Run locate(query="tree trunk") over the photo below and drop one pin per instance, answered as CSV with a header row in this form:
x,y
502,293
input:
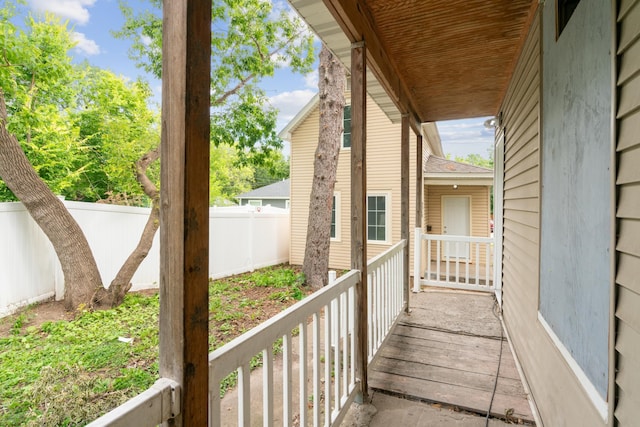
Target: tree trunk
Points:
x,y
81,275
121,284
331,85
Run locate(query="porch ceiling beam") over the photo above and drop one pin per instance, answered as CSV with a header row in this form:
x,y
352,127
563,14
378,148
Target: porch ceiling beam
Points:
x,y
184,212
355,20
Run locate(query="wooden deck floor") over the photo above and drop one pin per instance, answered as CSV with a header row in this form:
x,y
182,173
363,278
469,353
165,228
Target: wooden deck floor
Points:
x,y
449,350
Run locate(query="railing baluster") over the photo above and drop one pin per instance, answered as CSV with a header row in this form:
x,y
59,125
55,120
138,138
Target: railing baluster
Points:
x,y
352,335
466,264
486,264
438,256
303,393
369,318
267,392
327,365
477,282
287,380
429,259
316,370
344,343
337,375
214,399
457,261
447,251
244,395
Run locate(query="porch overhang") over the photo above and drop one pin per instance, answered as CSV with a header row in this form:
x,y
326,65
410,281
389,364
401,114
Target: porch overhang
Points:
x,y
431,59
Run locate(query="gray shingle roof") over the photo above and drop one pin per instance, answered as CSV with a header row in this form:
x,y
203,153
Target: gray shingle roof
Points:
x,y
277,190
440,165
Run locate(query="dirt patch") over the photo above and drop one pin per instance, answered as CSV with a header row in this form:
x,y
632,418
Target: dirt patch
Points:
x,y
34,315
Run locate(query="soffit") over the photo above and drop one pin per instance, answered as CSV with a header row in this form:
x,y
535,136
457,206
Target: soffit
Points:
x,y
434,59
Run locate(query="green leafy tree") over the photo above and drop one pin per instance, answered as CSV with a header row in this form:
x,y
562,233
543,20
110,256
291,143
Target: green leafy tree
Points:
x,y
274,168
70,130
249,41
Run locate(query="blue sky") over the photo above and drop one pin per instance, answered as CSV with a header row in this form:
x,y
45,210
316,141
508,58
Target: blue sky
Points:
x,y
93,20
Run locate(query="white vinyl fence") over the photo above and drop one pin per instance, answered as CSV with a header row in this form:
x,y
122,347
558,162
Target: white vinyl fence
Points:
x,y
241,239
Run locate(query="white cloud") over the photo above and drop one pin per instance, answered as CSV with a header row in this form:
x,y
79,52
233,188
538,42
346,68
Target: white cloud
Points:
x,y
145,39
464,137
289,104
73,10
85,45
311,79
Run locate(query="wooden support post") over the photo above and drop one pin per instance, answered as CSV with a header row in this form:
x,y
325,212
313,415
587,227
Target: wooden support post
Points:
x,y
184,214
404,205
359,204
419,182
417,255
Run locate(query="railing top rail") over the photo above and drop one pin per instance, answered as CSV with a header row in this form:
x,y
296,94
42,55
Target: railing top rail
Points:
x,y
153,406
378,260
452,238
225,359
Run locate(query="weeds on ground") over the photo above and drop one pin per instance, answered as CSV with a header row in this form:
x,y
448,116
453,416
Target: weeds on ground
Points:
x,y
69,373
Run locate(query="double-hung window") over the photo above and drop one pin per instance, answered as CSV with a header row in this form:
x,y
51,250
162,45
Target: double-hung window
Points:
x,y
335,217
346,134
377,221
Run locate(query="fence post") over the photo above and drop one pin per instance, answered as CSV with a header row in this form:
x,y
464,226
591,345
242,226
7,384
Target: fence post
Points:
x,y
417,261
252,219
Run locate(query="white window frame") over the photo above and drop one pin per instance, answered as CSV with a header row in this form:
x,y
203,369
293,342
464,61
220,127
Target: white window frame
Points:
x,y
387,217
254,202
336,203
342,134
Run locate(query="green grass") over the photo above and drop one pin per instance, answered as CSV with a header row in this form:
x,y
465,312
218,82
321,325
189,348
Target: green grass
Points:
x,y
67,373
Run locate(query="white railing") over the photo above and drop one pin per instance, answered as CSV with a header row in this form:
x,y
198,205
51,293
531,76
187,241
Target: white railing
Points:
x,y
332,368
316,388
459,262
158,404
385,294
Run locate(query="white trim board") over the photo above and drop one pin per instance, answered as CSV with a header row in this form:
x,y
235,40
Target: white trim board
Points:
x,y
599,403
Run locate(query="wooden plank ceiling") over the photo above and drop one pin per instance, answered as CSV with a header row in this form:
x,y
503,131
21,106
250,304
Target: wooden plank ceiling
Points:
x,y
435,59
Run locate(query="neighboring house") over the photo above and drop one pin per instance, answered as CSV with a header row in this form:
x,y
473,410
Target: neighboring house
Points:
x,y
562,79
276,195
459,186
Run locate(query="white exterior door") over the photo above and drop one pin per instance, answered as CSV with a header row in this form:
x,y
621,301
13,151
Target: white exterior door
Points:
x,y
456,221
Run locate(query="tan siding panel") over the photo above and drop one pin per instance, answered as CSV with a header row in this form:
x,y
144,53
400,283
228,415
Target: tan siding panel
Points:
x,y
629,205
629,131
629,99
630,25
627,310
628,212
628,170
627,273
629,237
629,64
625,7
